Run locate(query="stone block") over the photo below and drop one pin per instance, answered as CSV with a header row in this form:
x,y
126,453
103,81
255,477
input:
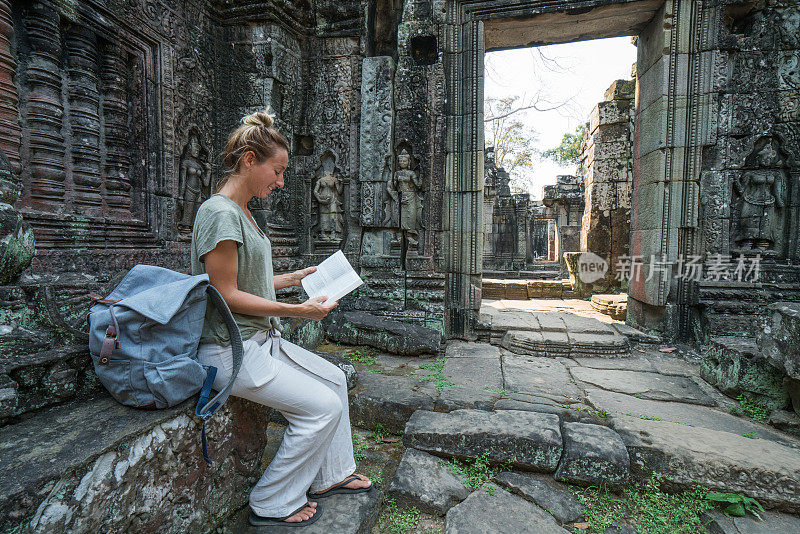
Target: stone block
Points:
x,y
77,467
546,493
491,509
422,481
593,454
362,328
528,440
685,455
609,112
778,337
736,366
389,400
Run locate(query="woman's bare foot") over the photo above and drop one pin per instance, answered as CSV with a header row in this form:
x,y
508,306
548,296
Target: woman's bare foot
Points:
x,y
302,515
362,482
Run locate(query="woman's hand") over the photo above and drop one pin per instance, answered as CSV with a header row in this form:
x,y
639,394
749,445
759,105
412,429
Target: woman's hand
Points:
x,y
315,308
292,279
296,276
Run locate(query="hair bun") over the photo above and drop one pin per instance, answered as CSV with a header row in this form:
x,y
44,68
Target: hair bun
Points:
x,y
259,118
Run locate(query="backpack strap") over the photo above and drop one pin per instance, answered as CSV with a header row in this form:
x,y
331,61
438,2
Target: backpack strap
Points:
x,y
207,408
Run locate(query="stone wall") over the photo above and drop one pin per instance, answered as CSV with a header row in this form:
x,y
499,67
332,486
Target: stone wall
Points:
x,y
607,172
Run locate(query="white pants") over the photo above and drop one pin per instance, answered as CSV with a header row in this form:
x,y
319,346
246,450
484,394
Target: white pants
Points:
x,y
311,393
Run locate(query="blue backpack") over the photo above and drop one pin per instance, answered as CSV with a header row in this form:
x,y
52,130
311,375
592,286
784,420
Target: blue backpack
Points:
x,y
143,339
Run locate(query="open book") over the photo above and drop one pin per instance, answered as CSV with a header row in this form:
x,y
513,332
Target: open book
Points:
x,y
334,278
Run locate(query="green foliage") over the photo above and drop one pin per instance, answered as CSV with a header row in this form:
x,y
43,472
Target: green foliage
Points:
x,y
438,379
365,356
750,407
380,433
476,472
396,520
751,435
502,392
735,504
359,446
646,505
569,151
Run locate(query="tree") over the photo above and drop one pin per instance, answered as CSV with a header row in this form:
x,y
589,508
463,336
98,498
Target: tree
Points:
x,y
569,151
512,139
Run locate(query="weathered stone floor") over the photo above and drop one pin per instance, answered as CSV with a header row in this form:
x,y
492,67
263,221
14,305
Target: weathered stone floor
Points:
x,y
552,417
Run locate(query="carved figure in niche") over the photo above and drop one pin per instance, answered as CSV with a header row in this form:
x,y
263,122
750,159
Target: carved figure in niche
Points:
x,y
329,192
404,189
194,182
761,198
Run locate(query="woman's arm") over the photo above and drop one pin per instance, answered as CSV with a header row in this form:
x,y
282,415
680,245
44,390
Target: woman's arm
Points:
x,y
292,279
222,266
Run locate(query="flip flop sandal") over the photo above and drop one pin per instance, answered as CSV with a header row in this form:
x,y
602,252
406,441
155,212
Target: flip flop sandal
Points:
x,y
261,521
339,488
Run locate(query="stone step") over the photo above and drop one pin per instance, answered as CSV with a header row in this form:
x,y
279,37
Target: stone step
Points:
x,y
528,440
340,514
423,481
687,455
30,382
83,466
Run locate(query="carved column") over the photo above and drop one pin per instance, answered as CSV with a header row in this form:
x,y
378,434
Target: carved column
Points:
x,y
375,166
9,101
45,108
115,119
84,118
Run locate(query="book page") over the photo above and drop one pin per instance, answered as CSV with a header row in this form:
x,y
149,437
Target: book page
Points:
x,y
334,278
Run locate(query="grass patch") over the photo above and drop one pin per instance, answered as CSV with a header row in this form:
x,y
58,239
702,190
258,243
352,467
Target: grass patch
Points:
x,y
475,473
502,392
751,408
396,520
359,446
647,506
438,379
365,356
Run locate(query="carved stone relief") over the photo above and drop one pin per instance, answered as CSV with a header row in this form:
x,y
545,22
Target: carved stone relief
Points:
x,y
328,193
194,182
760,201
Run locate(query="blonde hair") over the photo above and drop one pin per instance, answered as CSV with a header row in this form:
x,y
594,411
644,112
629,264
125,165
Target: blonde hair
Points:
x,y
255,134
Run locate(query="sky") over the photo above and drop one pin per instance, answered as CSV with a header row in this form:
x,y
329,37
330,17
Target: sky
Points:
x,y
578,73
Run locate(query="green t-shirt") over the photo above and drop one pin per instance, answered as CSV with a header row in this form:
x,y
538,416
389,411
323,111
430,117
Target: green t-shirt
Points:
x,y
218,219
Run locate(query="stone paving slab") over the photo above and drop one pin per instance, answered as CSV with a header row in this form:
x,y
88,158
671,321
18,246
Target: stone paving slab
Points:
x,y
468,349
546,493
342,514
389,400
634,363
670,364
492,510
683,455
422,481
617,404
647,385
528,440
771,523
536,375
475,373
460,397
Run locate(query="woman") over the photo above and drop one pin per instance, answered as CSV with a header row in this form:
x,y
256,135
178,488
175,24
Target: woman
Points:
x,y
316,454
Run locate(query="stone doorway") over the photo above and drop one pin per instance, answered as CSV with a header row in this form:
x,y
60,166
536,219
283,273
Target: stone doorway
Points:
x,y
702,123
538,215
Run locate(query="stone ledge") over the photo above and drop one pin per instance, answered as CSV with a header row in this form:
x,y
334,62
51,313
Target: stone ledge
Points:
x,y
82,467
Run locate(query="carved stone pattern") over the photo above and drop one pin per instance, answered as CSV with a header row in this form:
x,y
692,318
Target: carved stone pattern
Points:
x,y
84,118
115,126
45,108
10,131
